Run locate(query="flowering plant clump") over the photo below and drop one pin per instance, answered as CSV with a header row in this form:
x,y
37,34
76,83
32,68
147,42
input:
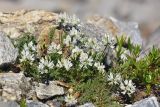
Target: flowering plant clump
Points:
x,y
75,58
112,63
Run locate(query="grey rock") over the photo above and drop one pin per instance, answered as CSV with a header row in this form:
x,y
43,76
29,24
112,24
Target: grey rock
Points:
x,y
54,103
129,29
35,104
44,91
91,30
148,102
98,26
13,86
9,104
153,40
8,53
87,105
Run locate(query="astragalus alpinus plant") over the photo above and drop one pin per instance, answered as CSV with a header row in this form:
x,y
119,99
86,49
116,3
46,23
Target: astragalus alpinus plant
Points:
x,y
81,61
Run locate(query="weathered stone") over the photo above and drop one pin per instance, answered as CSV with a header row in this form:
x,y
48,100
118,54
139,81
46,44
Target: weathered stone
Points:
x,y
113,27
87,105
35,104
13,86
129,29
153,40
44,91
53,103
11,93
148,102
18,22
9,104
8,53
91,30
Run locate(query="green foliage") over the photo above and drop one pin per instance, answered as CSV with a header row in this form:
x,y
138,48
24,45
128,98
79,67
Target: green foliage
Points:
x,y
24,39
144,71
97,91
23,102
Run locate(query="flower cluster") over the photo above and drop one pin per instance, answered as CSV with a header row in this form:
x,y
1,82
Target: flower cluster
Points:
x,y
54,48
45,65
28,53
64,63
125,87
67,22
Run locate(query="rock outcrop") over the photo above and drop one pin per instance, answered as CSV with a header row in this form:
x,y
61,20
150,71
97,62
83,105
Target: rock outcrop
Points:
x,y
114,27
44,91
8,53
18,22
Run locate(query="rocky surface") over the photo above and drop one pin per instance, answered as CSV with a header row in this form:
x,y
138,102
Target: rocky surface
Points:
x,y
153,40
14,86
18,22
148,102
9,104
8,53
113,27
35,104
44,91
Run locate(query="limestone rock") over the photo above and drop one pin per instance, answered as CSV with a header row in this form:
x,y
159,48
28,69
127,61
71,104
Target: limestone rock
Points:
x,y
18,22
148,102
12,86
130,29
153,40
54,103
44,91
9,104
35,104
8,53
115,27
91,30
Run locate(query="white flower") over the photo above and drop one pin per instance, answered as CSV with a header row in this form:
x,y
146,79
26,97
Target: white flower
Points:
x,y
67,40
83,57
32,46
76,51
73,32
85,60
69,19
59,64
105,38
89,61
97,47
123,55
90,42
100,67
114,79
67,64
45,65
70,100
127,87
63,17
54,48
74,20
27,55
